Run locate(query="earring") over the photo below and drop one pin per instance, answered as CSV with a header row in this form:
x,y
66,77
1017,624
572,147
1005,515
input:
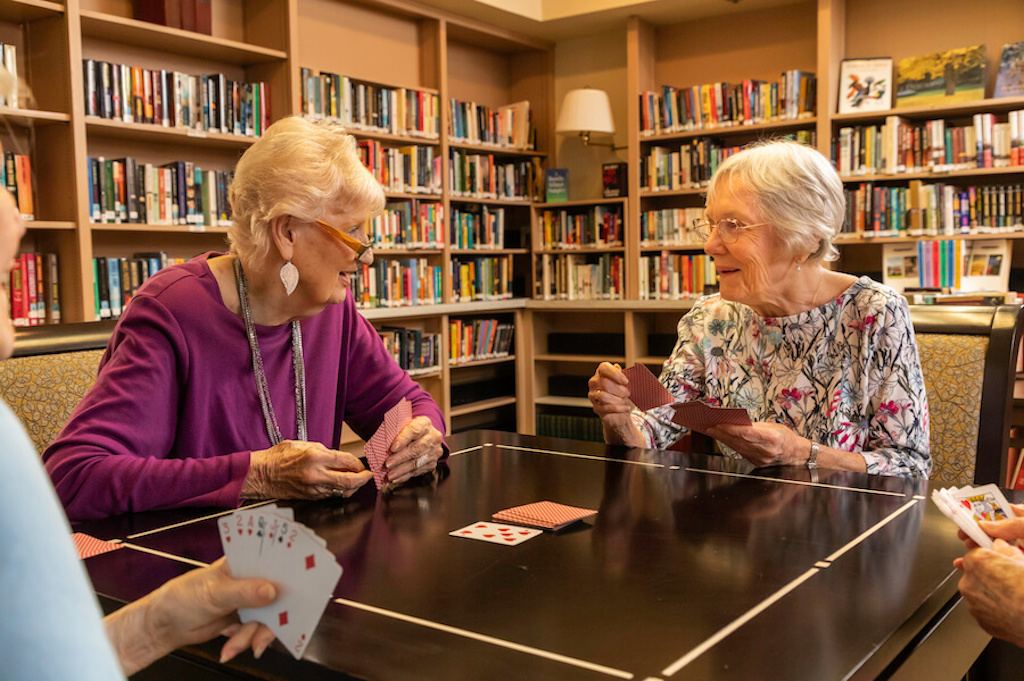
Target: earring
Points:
x,y
289,277
798,263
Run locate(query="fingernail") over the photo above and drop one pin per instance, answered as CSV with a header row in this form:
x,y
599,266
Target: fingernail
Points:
x,y
267,592
225,656
258,653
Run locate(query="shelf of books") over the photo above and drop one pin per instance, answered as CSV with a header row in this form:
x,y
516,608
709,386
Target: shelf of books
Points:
x,y
699,100
929,157
145,121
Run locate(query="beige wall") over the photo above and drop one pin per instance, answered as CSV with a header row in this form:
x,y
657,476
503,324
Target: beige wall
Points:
x,y
597,61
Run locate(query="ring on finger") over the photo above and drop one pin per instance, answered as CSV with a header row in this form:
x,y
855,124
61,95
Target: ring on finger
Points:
x,y
422,461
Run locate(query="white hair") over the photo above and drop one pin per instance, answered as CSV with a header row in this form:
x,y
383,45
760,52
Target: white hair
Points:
x,y
297,168
795,188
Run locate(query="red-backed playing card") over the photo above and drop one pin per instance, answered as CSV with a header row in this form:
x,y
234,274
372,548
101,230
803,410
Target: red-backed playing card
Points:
x,y
644,389
700,416
378,446
545,514
88,546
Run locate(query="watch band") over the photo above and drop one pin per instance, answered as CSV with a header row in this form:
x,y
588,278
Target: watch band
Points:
x,y
812,460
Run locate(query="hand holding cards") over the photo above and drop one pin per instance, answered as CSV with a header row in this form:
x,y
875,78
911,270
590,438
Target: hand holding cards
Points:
x,y
647,393
379,446
267,542
965,506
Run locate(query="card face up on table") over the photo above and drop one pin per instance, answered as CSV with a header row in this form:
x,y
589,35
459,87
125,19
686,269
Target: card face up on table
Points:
x,y
267,542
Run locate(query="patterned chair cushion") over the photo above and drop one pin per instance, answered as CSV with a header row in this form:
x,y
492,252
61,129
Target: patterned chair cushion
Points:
x,y
954,370
43,390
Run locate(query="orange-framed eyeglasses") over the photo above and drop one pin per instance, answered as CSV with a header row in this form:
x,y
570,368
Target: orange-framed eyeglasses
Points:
x,y
355,244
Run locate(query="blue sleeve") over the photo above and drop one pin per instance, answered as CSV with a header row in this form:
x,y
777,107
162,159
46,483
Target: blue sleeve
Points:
x,y
51,629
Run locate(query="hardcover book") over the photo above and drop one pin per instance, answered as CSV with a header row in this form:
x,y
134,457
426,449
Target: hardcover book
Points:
x,y
942,78
557,185
865,85
613,176
1010,80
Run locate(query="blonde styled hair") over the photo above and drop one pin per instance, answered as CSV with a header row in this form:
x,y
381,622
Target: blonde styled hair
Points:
x,y
299,168
795,189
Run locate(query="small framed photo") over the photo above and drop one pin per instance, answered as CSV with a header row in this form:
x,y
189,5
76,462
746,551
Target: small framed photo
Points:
x,y
865,85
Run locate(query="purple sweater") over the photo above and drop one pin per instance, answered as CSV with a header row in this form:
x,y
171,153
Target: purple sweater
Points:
x,y
174,413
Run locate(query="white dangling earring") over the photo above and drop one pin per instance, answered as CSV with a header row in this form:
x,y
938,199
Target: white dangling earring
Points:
x,y
289,277
798,263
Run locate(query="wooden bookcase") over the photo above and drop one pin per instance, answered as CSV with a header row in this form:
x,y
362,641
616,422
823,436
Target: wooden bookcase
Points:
x,y
386,42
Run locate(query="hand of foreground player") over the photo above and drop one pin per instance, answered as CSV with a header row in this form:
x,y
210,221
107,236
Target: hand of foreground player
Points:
x,y
191,609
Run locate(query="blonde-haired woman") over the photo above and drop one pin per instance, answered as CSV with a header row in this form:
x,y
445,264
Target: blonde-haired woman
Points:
x,y
229,377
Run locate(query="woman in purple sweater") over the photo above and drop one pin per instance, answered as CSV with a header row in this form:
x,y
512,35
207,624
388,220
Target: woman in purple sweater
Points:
x,y
229,377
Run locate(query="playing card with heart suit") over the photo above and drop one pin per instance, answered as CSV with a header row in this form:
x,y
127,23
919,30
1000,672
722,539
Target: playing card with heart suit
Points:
x,y
496,533
267,542
644,389
379,446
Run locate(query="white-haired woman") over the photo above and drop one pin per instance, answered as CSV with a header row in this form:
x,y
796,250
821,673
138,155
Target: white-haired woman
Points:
x,y
826,363
229,377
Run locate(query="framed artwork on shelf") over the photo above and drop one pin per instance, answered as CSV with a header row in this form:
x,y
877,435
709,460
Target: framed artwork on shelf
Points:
x,y
1010,79
865,85
941,78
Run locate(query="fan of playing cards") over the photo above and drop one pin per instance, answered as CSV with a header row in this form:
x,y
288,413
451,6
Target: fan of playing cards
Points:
x,y
965,506
647,393
267,542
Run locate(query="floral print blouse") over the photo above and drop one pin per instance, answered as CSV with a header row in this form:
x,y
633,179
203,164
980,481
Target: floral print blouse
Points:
x,y
846,375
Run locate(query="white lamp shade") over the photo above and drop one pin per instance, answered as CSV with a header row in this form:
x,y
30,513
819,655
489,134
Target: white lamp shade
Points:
x,y
585,110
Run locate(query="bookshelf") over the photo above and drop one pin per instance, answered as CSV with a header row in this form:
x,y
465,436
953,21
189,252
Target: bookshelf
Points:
x,y
427,51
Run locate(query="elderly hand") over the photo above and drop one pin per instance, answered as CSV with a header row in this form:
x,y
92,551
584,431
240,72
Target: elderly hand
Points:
x,y
191,609
1010,529
993,587
414,452
303,470
609,391
763,443
609,395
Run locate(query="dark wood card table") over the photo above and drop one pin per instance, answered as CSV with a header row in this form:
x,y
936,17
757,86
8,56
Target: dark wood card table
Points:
x,y
695,567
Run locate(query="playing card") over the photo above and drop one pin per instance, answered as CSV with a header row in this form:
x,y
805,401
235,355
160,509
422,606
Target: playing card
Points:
x,y
378,446
88,546
644,389
496,533
963,518
984,503
544,514
263,542
699,415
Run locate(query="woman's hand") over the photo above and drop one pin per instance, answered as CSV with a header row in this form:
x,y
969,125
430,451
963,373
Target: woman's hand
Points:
x,y
609,391
303,470
191,609
763,443
609,395
993,587
1010,529
414,452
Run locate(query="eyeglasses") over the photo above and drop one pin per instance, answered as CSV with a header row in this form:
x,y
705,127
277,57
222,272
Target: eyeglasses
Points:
x,y
355,244
728,228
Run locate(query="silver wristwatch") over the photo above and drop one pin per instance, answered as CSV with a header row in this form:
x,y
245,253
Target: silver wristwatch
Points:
x,y
812,460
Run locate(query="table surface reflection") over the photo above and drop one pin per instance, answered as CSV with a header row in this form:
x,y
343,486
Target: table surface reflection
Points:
x,y
695,567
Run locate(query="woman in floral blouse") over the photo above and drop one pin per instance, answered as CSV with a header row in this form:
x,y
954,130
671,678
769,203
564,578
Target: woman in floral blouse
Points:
x,y
825,363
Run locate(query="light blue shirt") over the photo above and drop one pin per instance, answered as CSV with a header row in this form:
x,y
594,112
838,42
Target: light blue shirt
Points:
x,y
51,626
